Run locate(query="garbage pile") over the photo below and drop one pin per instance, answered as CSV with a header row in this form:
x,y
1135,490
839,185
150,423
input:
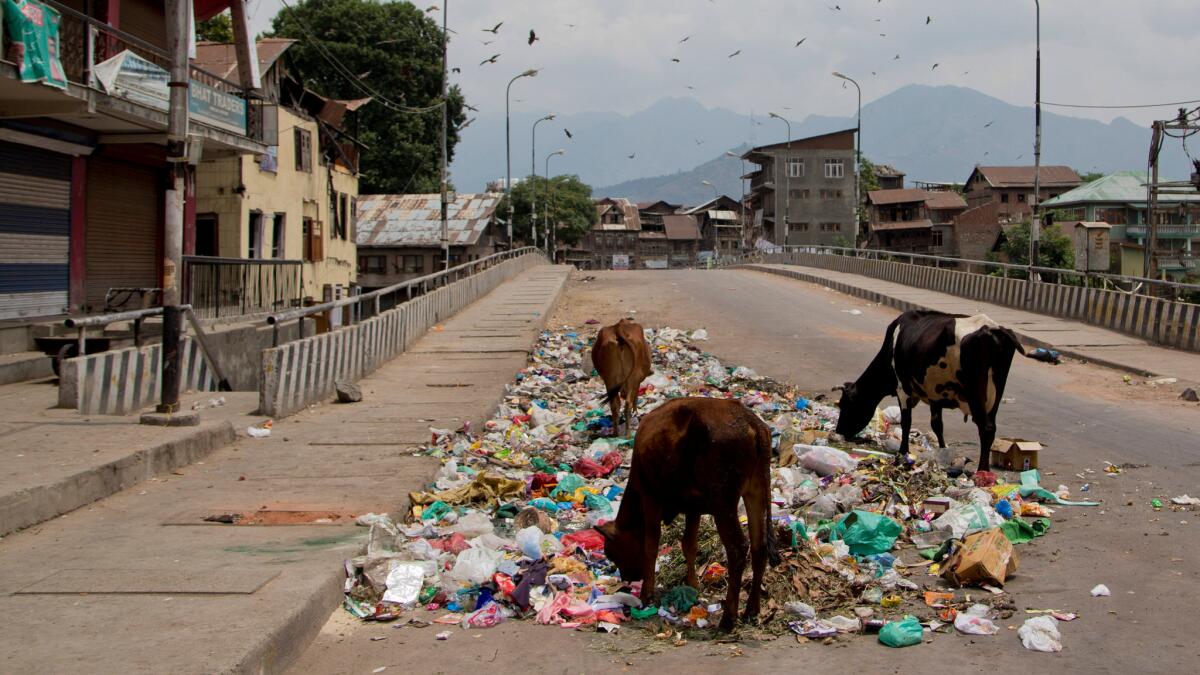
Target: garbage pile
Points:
x,y
505,531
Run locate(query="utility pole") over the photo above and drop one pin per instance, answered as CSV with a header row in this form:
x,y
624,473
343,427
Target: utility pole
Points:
x,y
1035,225
177,15
787,181
533,173
532,72
445,143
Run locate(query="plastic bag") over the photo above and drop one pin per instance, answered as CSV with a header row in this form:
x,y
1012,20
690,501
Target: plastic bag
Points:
x,y
404,583
824,460
529,541
589,539
1040,634
867,533
844,624
904,633
487,616
974,621
476,565
967,518
800,609
474,524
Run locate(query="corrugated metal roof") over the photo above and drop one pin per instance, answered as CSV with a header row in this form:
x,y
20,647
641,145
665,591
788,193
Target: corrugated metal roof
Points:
x,y
945,200
221,59
629,211
416,220
882,197
1125,187
1022,176
681,228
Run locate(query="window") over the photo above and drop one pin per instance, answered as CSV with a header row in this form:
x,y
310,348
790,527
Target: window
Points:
x,y
1021,197
795,167
799,194
831,194
343,215
303,150
937,238
314,243
277,230
831,227
372,264
254,235
412,264
1004,197
795,228
206,234
455,259
835,168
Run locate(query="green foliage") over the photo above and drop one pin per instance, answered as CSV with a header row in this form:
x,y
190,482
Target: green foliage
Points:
x,y
394,50
867,179
1090,176
217,29
570,204
1054,250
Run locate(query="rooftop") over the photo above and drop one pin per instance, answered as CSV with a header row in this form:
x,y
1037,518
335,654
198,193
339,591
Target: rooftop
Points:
x,y
681,227
1023,176
221,59
933,200
632,218
903,225
416,220
1124,187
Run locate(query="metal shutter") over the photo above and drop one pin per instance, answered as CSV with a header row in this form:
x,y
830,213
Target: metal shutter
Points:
x,y
35,228
122,228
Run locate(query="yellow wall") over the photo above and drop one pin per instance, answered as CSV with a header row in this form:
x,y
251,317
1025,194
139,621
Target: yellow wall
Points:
x,y
295,193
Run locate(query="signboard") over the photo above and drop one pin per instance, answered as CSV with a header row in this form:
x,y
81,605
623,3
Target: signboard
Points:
x,y
620,262
32,29
133,78
655,263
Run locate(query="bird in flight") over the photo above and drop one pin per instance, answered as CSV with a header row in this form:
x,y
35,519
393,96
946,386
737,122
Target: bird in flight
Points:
x,y
928,19
633,155
569,25
486,42
934,67
491,60
699,142
431,8
675,60
456,70
495,29
466,124
801,41
567,132
689,37
897,58
532,37
470,107
883,35
835,8
734,54
989,124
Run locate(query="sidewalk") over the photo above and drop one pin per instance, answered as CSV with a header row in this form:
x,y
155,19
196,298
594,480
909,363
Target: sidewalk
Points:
x,y
139,582
1071,338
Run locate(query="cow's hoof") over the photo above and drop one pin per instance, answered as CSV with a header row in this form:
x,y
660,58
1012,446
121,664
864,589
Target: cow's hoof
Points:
x,y
726,624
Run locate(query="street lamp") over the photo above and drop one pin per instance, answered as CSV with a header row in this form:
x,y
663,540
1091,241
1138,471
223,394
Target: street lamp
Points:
x,y
714,189
533,172
742,204
532,72
857,154
1035,225
787,183
551,232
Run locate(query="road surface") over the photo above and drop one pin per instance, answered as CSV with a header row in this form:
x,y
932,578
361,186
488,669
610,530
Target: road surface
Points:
x,y
816,338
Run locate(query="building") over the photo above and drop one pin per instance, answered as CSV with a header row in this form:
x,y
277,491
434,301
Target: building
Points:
x,y
720,225
286,216
803,191
615,235
1012,187
913,221
400,236
889,177
1119,199
83,171
683,239
653,248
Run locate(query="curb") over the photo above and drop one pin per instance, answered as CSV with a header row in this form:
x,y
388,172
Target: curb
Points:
x,y
904,305
30,506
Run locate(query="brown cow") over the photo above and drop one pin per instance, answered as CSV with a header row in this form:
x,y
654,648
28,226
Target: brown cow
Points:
x,y
696,456
622,357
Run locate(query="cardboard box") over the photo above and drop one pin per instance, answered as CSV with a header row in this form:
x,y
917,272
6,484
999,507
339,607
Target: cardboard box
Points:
x,y
938,505
1016,454
984,558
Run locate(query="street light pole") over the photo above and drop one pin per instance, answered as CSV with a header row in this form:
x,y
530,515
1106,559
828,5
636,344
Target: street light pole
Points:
x,y
787,179
1035,225
714,189
857,156
508,149
445,132
741,204
533,172
551,232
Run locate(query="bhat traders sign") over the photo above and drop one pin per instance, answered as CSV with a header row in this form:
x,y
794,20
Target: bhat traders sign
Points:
x,y
133,78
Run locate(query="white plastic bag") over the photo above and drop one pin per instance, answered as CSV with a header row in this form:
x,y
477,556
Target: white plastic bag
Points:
x,y
1101,591
974,621
1040,634
475,565
824,460
404,583
800,609
529,542
844,624
474,524
962,520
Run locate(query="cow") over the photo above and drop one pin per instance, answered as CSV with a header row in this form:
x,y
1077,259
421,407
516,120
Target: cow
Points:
x,y
945,360
622,357
696,456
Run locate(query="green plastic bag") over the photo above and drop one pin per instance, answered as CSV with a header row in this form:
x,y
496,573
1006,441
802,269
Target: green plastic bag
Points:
x,y
598,503
903,633
435,511
642,613
681,598
1020,531
799,533
866,533
567,486
541,465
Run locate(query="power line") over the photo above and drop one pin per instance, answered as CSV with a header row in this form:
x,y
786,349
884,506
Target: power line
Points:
x,y
351,77
1115,107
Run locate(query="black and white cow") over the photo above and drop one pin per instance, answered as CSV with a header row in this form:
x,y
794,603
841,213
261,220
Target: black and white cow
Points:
x,y
945,360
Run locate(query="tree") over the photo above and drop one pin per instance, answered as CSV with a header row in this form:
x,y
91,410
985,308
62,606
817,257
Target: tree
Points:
x,y
867,179
1055,249
217,29
351,49
1090,176
569,204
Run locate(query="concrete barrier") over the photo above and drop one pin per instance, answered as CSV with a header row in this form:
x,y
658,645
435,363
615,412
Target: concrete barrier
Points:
x,y
1158,320
124,381
300,373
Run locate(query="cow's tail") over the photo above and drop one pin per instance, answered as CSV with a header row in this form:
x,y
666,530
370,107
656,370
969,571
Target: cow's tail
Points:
x,y
1005,336
624,368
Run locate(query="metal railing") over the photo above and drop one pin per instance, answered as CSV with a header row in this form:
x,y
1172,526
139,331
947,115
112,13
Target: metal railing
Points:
x,y
1141,230
359,307
228,287
1128,284
86,41
137,316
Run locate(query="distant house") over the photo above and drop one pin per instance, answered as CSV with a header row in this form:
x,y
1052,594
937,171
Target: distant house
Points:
x,y
683,239
803,191
720,225
914,221
653,249
889,177
400,236
1119,199
614,234
1012,187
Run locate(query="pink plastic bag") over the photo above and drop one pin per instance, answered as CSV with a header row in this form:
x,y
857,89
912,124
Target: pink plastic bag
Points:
x,y
589,539
487,616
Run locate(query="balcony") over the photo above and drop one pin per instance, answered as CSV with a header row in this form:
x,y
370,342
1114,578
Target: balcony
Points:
x,y
117,87
1164,231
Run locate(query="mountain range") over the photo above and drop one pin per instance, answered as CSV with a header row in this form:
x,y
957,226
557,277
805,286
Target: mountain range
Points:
x,y
930,133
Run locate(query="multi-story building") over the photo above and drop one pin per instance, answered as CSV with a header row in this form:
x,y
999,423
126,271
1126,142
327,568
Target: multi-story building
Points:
x,y
803,191
83,166
280,222
915,221
720,225
1011,187
889,177
613,240
400,236
683,240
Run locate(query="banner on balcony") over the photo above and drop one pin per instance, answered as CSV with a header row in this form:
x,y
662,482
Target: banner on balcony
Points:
x,y
133,78
32,30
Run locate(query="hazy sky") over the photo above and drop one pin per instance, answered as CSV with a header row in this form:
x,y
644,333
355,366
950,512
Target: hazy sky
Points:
x,y
618,54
